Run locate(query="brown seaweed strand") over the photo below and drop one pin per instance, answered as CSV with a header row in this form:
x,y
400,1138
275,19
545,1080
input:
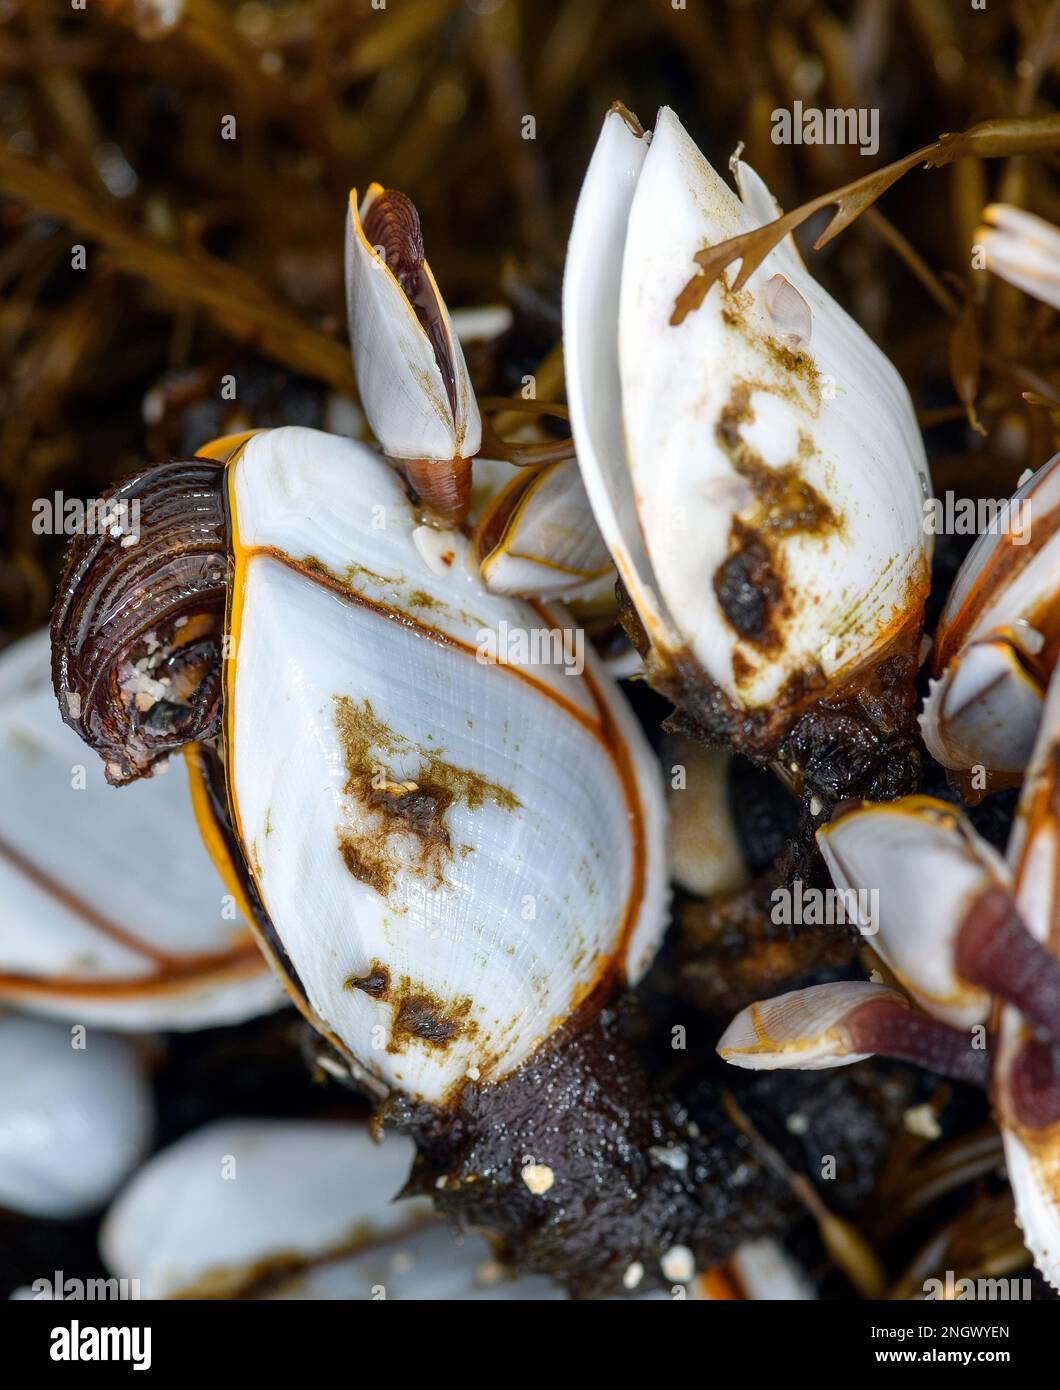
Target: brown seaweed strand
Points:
x,y
989,139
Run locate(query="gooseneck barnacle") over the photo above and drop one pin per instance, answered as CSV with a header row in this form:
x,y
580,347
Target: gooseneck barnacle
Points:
x,y
413,381
775,595
136,630
499,1038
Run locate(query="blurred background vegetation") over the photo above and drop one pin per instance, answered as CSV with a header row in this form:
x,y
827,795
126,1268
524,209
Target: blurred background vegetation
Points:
x,y
205,256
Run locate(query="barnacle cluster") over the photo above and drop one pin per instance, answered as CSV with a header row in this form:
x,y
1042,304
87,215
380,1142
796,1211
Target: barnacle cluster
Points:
x,y
561,725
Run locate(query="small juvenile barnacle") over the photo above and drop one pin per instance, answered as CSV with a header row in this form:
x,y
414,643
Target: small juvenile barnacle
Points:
x,y
411,374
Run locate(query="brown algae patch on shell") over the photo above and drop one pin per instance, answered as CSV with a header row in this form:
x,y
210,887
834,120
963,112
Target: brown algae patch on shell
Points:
x,y
314,567
630,118
428,1018
750,582
814,716
354,580
397,822
1042,1147
420,598
418,1014
785,502
353,577
800,372
751,594
376,982
735,304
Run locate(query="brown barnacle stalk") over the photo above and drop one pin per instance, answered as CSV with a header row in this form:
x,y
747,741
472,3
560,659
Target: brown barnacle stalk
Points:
x,y
1033,1085
583,1167
136,629
542,1160
994,949
889,1029
445,489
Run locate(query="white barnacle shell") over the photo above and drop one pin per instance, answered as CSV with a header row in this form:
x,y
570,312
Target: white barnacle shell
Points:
x,y
765,1272
996,641
129,927
806,1029
421,1262
537,536
75,1116
402,390
763,506
590,316
925,865
1023,249
293,1209
205,1216
451,818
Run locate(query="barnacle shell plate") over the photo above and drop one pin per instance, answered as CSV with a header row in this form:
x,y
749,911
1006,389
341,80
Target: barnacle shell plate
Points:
x,y
732,443
75,1120
110,911
802,1030
928,866
1023,249
590,337
997,637
217,1215
453,852
549,546
212,1212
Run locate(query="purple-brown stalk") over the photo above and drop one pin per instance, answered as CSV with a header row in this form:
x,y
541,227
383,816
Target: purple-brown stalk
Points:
x,y
997,952
891,1029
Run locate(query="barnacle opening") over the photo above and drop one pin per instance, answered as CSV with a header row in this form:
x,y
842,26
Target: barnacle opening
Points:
x,y
137,628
